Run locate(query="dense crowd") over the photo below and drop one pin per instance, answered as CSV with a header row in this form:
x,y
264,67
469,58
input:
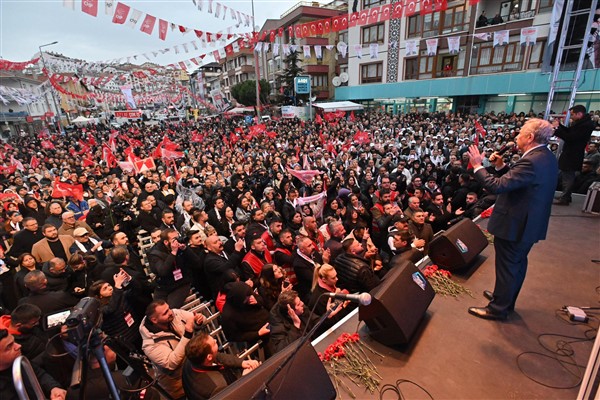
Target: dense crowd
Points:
x,y
260,219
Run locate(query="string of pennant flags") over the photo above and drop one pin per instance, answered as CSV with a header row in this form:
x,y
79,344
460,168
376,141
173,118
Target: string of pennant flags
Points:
x,y
123,14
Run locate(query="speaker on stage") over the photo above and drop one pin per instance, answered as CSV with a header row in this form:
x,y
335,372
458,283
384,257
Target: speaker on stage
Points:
x,y
398,304
458,246
304,377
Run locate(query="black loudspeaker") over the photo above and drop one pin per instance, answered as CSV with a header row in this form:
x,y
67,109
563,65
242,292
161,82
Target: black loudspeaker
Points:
x,y
398,304
304,377
458,246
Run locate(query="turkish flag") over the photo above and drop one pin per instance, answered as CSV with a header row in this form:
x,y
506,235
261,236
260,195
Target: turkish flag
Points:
x,y
144,165
353,20
318,119
363,16
374,15
411,8
121,13
384,14
8,169
48,145
148,24
171,154
90,7
362,137
88,162
34,163
397,10
61,189
352,117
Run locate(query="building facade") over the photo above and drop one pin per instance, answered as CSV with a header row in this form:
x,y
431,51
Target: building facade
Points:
x,y
479,77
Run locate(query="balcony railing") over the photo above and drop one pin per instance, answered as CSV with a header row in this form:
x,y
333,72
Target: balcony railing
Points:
x,y
492,69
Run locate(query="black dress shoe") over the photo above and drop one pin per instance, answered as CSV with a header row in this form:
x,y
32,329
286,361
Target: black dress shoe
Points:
x,y
486,313
488,295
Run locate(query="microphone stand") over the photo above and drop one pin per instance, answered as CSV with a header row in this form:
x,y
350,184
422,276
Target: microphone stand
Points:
x,y
264,392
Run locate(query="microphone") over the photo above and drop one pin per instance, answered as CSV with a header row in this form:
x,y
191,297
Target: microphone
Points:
x,y
364,299
506,148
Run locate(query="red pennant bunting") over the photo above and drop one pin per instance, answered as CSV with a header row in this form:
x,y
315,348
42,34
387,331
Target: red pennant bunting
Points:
x,y
90,7
121,13
163,27
148,24
374,15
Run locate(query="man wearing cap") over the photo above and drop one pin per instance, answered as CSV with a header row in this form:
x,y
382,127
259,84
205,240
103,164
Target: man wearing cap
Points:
x,y
70,224
84,243
13,225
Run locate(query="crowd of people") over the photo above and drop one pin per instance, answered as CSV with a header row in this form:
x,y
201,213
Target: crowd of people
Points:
x,y
261,222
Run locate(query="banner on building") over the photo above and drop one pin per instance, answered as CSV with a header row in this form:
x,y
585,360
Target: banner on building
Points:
x,y
501,38
432,45
411,48
454,44
529,35
219,100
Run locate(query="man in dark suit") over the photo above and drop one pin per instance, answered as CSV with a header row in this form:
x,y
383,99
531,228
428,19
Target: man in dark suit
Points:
x,y
521,214
217,262
216,218
576,137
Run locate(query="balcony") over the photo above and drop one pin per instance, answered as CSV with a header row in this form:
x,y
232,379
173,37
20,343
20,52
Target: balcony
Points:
x,y
246,69
316,69
316,41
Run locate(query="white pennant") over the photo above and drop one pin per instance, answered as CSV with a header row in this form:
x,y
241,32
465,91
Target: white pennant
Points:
x,y
218,10
275,49
318,52
109,7
329,47
342,48
374,50
134,17
258,47
306,50
194,44
286,49
185,48
266,46
358,50
69,4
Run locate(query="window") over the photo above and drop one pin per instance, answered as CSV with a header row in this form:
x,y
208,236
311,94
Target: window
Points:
x,y
411,69
537,54
488,59
414,26
373,34
455,20
372,3
343,37
431,24
319,80
545,6
371,73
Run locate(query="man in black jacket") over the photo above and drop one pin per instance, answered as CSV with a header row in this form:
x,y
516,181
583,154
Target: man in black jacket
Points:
x,y
46,300
167,261
217,262
354,272
25,239
576,137
206,371
9,351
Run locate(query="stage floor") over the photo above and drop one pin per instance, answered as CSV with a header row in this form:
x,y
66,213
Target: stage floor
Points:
x,y
454,355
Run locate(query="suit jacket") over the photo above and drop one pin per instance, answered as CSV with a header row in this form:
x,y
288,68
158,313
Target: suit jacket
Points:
x,y
525,195
215,266
41,250
220,225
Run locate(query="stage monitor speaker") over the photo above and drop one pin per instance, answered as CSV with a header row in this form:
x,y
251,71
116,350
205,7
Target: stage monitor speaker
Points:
x,y
458,246
398,304
302,378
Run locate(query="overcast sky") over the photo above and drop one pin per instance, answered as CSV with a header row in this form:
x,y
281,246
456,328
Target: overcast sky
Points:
x,y
25,25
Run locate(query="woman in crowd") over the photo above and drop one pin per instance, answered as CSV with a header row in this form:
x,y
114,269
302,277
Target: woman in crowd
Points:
x,y
117,315
26,263
271,284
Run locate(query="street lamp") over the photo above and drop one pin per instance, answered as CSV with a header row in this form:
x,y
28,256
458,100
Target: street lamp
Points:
x,y
56,105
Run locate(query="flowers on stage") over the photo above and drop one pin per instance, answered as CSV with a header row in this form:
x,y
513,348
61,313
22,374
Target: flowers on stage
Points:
x,y
347,357
487,212
441,282
487,234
